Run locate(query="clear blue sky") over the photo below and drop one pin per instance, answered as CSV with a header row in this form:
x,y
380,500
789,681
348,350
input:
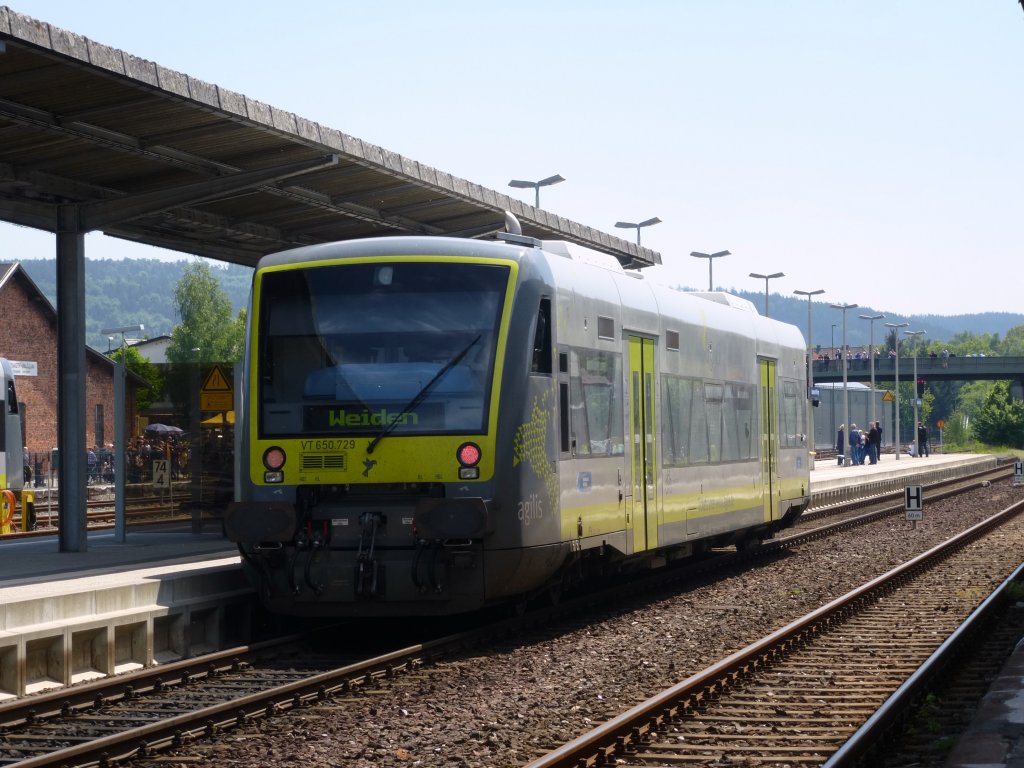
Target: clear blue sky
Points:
x,y
874,149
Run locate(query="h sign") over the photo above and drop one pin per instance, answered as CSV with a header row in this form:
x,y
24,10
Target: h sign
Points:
x,y
914,496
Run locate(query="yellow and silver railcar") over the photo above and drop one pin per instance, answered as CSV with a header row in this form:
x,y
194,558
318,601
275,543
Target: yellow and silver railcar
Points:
x,y
434,425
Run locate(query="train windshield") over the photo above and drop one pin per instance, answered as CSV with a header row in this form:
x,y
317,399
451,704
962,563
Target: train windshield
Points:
x,y
407,347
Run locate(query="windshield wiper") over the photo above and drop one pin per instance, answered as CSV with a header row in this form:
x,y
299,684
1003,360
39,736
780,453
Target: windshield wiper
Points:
x,y
411,405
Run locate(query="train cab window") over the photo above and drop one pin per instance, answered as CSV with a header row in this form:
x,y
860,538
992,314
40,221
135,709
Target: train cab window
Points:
x,y
541,360
12,398
346,347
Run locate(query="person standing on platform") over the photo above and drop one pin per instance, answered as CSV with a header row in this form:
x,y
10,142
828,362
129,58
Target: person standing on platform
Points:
x,y
922,440
840,444
854,444
878,426
873,443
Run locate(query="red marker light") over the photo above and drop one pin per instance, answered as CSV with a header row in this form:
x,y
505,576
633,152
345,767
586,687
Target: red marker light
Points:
x,y
468,454
273,458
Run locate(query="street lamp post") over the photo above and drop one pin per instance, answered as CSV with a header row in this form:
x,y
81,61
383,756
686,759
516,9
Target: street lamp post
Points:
x,y
810,362
766,278
119,432
536,185
832,397
631,225
846,393
917,400
710,257
896,418
871,356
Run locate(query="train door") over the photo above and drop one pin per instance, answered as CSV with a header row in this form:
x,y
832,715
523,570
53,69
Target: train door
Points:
x,y
769,438
642,431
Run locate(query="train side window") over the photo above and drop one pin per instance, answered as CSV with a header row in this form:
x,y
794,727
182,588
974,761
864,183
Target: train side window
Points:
x,y
541,362
563,412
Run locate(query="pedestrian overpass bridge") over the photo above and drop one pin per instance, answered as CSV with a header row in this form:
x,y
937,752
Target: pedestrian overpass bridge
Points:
x,y
928,368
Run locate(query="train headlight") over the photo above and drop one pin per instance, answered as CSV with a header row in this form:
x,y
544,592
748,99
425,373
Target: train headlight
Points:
x,y
273,459
468,456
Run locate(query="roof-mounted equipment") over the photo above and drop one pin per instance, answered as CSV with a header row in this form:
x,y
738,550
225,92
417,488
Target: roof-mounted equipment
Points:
x,y
514,233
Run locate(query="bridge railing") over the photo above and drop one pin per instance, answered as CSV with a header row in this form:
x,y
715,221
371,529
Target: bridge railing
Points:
x,y
949,368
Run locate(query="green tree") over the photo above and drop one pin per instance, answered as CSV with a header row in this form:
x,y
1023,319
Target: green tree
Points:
x,y
137,364
1001,419
1013,343
207,332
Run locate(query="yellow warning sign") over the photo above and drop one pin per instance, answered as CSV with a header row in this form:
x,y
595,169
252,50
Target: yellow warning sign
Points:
x,y
216,393
887,397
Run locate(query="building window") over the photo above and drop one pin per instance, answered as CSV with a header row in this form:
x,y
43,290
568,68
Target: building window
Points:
x,y
98,424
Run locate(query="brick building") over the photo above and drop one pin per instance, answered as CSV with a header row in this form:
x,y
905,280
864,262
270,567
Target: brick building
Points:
x,y
28,337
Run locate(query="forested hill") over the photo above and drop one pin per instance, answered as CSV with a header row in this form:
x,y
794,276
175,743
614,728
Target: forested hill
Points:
x,y
132,291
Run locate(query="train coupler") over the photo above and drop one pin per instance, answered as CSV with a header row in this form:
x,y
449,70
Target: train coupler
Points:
x,y
369,572
369,578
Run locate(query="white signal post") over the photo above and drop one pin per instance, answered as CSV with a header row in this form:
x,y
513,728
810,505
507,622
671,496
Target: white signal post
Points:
x,y
162,478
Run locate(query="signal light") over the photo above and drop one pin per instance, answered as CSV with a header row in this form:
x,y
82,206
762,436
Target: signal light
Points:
x,y
920,387
273,458
468,456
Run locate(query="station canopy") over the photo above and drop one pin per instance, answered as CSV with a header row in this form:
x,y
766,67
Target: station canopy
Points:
x,y
95,139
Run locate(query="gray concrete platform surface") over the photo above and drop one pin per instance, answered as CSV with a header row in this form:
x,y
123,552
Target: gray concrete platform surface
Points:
x,y
161,595
995,737
834,483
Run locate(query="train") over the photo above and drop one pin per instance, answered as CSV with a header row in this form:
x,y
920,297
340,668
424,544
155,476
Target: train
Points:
x,y
431,426
12,464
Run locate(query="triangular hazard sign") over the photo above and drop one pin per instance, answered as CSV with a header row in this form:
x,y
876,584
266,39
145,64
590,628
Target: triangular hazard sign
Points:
x,y
216,381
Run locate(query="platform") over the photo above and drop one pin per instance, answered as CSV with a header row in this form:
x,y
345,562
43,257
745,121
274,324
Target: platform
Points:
x,y
831,483
161,595
995,737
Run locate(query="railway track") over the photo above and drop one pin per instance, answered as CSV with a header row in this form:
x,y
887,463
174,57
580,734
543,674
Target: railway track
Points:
x,y
798,695
73,727
135,715
100,514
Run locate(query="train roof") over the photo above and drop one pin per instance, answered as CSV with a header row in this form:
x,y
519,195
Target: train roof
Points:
x,y
554,250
